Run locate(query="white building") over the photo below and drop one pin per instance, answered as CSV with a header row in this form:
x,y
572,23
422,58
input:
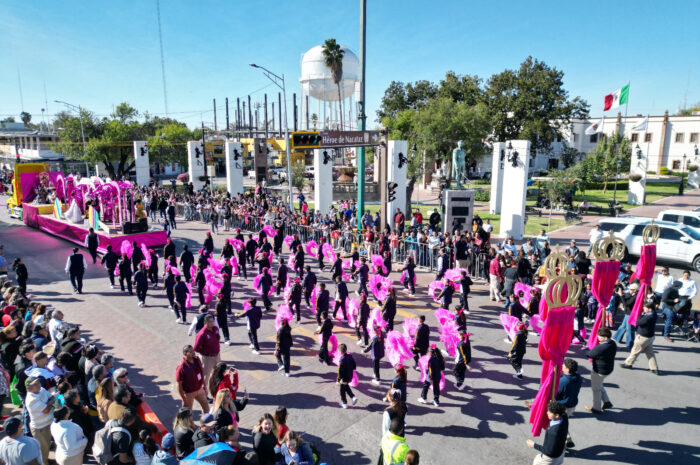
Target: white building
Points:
x,y
665,141
29,145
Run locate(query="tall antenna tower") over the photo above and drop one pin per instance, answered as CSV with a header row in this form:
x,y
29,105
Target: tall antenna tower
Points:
x,y
162,59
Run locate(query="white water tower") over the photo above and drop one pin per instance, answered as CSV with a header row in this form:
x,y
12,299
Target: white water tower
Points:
x,y
321,93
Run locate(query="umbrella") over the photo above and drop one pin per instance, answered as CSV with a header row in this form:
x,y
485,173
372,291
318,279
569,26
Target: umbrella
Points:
x,y
218,453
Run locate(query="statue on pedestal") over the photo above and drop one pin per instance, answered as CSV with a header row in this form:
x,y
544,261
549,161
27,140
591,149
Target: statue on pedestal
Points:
x,y
459,164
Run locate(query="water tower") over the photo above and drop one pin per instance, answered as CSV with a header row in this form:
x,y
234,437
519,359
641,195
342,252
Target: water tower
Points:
x,y
319,94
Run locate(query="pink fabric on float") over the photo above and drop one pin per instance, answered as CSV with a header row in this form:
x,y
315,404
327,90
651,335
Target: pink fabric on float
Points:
x,y
645,273
554,343
77,233
604,278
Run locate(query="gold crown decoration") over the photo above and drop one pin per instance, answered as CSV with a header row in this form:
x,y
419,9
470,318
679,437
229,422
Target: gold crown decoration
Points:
x,y
609,248
554,294
553,261
651,232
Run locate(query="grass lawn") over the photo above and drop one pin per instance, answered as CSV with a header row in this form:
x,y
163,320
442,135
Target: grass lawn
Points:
x,y
654,192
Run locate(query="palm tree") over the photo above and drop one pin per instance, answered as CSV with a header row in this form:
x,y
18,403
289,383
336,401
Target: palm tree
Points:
x,y
333,58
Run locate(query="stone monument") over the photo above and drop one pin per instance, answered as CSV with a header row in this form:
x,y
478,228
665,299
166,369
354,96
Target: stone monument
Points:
x,y
514,187
636,192
195,163
234,167
497,164
142,164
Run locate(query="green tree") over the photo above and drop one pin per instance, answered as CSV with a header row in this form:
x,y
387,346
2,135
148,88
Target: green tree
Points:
x,y
70,141
610,157
25,117
298,178
461,88
531,103
569,156
9,119
558,185
399,96
333,58
169,144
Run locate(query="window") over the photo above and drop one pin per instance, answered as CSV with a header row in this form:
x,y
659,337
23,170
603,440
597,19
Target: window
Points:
x,y
679,138
691,221
676,165
594,138
670,234
638,230
671,218
614,227
634,137
647,137
693,137
576,137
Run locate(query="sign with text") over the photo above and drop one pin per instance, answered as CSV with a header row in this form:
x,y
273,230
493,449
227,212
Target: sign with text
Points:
x,y
349,138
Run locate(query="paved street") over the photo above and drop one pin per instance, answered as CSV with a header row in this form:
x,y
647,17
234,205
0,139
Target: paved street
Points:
x,y
654,419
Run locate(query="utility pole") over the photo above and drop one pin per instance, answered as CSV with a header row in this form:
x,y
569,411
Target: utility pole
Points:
x,y
266,135
228,127
362,120
214,115
250,118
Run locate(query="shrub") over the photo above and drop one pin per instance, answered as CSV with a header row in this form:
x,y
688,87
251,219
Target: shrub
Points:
x,y
480,182
482,195
692,168
664,170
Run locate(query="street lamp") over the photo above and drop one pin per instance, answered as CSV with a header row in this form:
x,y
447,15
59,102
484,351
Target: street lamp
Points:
x,y
276,80
680,188
82,128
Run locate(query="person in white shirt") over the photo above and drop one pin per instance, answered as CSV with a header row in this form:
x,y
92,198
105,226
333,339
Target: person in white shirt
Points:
x,y
39,403
595,234
541,239
57,326
69,438
663,281
16,448
689,290
488,227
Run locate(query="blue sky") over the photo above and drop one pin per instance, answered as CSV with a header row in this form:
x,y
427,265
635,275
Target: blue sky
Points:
x,y
98,54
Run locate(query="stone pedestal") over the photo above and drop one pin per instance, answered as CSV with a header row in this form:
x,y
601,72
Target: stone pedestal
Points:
x,y
397,164
141,163
323,180
459,205
497,165
234,167
514,189
195,163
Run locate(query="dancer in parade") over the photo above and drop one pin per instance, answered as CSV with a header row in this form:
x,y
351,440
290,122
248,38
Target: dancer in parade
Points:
x,y
345,373
436,365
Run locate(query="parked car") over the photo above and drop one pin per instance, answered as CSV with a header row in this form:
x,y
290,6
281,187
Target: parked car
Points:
x,y
685,217
677,243
309,172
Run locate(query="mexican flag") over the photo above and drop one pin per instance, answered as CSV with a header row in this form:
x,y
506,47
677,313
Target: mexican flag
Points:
x,y
617,98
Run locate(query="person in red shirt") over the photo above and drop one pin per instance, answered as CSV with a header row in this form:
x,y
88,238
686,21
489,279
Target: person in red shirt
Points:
x,y
419,217
207,345
399,221
223,377
189,379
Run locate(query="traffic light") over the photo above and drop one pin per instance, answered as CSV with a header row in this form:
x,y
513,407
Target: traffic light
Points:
x,y
391,191
197,152
326,157
306,140
402,160
236,155
144,151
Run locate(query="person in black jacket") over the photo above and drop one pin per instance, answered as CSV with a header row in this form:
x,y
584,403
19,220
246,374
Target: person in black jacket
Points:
x,y
277,241
294,301
341,297
376,347
410,268
282,273
284,347
110,261
325,330
362,320
337,268
464,358
153,269
186,262
125,273
323,299
387,264
345,371
21,274
552,449
389,309
517,351
180,290
299,262
221,310
445,296
169,289
92,241
242,261
263,261
603,356
309,283
201,281
421,342
436,365
169,249
265,286
253,316
208,244
644,341
465,283
137,256
320,257
363,274
141,283
75,268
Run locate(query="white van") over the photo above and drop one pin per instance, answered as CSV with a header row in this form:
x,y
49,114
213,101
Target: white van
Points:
x,y
685,217
677,243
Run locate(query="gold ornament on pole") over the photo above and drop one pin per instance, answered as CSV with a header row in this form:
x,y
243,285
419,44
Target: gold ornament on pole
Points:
x,y
650,234
555,263
554,294
608,248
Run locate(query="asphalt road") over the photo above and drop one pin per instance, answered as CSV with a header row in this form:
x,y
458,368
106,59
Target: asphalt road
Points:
x,y
655,418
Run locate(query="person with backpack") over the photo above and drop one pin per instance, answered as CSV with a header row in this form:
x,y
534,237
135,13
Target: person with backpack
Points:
x,y
113,442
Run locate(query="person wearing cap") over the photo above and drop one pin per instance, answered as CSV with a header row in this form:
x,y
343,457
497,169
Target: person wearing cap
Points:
x,y
16,448
189,378
39,405
75,269
207,345
40,336
205,435
164,456
69,438
628,300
